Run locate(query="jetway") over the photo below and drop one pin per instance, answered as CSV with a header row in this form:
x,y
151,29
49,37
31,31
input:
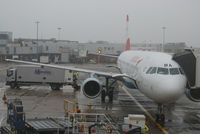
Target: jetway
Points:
x,y
190,63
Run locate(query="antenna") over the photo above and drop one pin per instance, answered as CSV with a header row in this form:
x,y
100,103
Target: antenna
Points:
x,y
127,34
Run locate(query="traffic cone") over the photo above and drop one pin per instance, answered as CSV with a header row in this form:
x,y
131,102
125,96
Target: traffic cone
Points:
x,y
78,110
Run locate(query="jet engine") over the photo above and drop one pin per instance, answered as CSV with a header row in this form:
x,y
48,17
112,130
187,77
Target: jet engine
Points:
x,y
92,88
193,94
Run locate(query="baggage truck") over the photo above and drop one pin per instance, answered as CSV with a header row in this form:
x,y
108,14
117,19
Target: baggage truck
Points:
x,y
26,75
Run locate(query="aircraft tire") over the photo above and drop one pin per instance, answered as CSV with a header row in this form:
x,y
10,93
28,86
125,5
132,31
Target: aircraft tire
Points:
x,y
160,118
12,85
55,86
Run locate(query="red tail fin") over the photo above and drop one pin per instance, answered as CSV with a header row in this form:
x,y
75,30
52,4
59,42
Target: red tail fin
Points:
x,y
128,45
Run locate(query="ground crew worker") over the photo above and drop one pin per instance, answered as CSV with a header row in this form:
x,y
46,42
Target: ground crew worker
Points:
x,y
110,130
78,110
75,78
75,75
4,98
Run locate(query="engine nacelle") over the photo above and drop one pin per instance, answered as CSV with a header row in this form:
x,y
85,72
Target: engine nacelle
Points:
x,y
193,94
92,88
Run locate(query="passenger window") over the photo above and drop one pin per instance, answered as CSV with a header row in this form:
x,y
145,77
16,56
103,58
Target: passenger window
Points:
x,y
181,71
148,71
162,71
173,71
153,71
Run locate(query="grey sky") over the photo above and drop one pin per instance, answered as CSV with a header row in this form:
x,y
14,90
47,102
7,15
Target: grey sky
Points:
x,y
91,20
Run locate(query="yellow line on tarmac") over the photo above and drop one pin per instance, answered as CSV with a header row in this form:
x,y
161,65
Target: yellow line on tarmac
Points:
x,y
146,112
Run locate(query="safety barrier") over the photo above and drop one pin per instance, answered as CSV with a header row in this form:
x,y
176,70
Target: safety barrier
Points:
x,y
70,107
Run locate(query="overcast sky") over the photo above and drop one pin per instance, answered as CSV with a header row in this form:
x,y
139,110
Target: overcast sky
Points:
x,y
92,20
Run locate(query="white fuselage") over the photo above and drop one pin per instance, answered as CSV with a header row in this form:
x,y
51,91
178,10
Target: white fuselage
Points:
x,y
157,75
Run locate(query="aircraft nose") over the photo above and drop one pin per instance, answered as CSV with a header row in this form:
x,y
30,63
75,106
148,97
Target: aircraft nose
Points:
x,y
170,89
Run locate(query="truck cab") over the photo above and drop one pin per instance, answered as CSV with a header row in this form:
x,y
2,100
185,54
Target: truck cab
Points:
x,y
11,77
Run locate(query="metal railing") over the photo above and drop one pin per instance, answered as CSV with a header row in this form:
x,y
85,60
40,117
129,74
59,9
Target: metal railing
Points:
x,y
82,121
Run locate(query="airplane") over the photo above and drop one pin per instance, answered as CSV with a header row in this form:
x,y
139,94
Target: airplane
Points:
x,y
155,74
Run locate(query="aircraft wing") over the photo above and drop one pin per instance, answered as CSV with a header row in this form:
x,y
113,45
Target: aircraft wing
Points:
x,y
91,72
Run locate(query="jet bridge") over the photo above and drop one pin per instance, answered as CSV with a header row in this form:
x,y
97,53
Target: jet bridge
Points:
x,y
190,63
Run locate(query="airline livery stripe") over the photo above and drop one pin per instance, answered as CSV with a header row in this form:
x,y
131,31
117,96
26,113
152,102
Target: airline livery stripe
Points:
x,y
138,61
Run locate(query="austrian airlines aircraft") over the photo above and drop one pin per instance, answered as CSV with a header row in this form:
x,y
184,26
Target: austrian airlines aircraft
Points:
x,y
154,74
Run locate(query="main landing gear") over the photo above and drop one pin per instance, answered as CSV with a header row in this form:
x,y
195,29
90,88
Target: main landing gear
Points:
x,y
160,116
108,90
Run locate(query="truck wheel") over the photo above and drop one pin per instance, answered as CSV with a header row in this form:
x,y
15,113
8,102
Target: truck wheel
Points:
x,y
12,85
58,87
55,87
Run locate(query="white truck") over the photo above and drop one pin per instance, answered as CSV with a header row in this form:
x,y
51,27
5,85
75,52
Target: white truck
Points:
x,y
26,75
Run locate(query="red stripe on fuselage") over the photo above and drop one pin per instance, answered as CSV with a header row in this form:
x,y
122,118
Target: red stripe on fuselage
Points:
x,y
138,61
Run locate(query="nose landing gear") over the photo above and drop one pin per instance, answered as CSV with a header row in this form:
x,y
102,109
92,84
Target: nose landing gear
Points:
x,y
160,116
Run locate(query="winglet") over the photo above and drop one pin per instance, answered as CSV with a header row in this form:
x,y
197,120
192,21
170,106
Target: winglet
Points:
x,y
128,45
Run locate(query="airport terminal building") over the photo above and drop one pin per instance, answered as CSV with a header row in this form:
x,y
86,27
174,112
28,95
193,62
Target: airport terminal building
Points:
x,y
66,51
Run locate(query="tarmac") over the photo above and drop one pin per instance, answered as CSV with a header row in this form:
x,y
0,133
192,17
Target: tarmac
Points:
x,y
182,117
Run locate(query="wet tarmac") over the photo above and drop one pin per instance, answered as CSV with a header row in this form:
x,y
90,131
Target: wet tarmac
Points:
x,y
182,117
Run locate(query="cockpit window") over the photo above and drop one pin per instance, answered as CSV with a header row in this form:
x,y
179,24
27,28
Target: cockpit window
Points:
x,y
148,71
173,71
162,70
181,71
153,70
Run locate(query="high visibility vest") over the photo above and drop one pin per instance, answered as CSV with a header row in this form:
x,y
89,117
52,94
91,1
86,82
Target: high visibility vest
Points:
x,y
75,73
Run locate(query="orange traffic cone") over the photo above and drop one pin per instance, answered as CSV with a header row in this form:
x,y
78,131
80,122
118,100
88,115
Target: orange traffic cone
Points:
x,y
78,110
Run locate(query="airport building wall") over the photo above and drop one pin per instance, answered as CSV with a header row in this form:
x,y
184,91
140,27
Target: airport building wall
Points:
x,y
174,47
2,50
105,48
73,50
56,46
156,47
5,38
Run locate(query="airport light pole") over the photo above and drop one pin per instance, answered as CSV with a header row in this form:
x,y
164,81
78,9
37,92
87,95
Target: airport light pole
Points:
x,y
59,33
37,23
163,28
